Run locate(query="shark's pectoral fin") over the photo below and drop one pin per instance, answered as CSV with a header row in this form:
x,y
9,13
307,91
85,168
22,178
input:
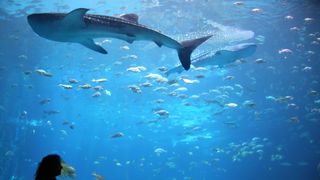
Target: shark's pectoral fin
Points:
x,y
130,38
75,18
158,43
129,41
89,43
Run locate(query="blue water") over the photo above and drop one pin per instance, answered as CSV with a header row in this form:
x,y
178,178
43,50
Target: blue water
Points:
x,y
201,138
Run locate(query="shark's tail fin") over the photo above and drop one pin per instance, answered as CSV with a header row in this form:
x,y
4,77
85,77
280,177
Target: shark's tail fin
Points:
x,y
187,48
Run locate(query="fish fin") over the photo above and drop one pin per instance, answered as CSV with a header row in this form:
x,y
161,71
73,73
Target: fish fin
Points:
x,y
158,43
187,48
75,17
129,41
131,17
89,43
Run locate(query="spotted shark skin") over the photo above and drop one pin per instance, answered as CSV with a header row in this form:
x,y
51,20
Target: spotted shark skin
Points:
x,y
79,27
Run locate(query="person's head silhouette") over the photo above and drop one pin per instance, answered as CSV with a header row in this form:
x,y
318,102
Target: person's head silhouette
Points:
x,y
49,167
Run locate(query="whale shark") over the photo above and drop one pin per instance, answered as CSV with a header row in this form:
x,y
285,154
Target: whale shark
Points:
x,y
79,27
219,58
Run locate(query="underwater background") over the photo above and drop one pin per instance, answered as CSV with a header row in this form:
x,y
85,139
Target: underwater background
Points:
x,y
255,119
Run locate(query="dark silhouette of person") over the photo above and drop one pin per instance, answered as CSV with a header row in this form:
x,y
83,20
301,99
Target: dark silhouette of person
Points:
x,y
49,167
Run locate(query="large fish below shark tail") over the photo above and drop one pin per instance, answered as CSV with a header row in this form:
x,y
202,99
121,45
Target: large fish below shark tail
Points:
x,y
187,48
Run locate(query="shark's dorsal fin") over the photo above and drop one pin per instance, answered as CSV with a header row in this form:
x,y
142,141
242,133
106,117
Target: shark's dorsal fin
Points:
x,y
131,17
75,17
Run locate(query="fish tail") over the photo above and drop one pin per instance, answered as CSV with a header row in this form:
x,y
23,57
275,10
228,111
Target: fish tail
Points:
x,y
187,48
